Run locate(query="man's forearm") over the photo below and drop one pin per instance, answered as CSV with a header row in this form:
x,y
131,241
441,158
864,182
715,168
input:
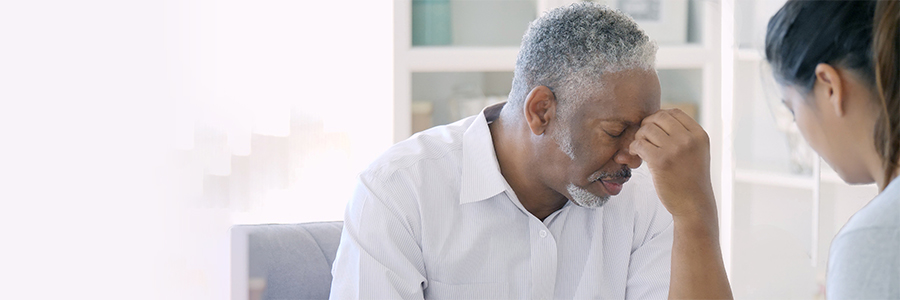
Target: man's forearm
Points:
x,y
676,149
698,271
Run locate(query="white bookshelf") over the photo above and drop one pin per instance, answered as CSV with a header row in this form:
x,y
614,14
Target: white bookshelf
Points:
x,y
771,178
754,55
785,179
478,59
409,59
460,59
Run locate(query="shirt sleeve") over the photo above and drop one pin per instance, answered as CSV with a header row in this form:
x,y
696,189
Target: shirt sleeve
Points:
x,y
650,266
865,264
378,256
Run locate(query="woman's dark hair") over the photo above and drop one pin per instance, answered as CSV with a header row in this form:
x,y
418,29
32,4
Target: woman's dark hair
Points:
x,y
855,35
806,33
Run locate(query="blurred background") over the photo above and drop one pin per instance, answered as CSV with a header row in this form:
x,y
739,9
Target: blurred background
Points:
x,y
135,134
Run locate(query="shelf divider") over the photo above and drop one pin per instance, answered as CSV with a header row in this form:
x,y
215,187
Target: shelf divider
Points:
x,y
774,179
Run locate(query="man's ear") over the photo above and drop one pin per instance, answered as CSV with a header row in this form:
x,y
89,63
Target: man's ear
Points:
x,y
540,108
829,86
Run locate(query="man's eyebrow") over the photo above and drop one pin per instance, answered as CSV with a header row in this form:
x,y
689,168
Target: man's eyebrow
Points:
x,y
623,121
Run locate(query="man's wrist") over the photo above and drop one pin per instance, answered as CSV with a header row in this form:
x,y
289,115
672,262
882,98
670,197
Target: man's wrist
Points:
x,y
701,221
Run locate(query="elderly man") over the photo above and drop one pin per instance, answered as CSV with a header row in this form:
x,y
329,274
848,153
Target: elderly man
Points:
x,y
529,200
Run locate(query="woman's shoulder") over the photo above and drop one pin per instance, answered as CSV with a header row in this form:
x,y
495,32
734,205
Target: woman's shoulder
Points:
x,y
883,212
865,255
875,225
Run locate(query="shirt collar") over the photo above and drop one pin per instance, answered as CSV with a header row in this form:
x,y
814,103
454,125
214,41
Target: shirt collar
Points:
x,y
481,178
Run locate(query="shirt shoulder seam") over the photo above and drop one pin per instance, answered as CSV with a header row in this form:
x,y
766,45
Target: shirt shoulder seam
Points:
x,y
388,169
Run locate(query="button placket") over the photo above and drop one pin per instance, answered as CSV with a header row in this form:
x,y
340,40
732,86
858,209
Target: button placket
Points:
x,y
543,261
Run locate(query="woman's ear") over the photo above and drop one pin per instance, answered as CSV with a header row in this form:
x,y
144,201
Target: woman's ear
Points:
x,y
829,88
540,108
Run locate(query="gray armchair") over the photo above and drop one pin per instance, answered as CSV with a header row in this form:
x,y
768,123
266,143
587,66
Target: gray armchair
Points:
x,y
283,261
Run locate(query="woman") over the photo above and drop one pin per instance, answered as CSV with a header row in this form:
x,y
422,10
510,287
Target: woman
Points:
x,y
838,63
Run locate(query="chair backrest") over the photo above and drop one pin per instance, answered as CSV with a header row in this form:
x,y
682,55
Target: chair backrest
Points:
x,y
283,261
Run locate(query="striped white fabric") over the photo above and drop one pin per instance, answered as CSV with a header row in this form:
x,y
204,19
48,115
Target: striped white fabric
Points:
x,y
434,218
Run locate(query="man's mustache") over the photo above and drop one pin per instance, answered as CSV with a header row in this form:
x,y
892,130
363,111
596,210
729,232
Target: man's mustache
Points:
x,y
625,172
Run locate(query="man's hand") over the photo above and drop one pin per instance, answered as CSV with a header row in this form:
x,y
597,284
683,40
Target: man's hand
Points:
x,y
676,150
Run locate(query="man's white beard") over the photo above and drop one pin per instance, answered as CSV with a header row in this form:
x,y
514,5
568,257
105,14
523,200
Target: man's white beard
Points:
x,y
584,198
579,195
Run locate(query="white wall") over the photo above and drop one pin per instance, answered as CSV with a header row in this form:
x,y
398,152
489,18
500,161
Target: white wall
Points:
x,y
102,106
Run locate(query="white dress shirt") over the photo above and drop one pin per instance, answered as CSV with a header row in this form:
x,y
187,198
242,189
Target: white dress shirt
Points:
x,y
434,218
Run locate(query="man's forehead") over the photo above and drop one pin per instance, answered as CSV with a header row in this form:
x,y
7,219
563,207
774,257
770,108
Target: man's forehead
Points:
x,y
623,108
623,121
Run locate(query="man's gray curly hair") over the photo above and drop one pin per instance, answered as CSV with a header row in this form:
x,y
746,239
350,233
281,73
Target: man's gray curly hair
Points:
x,y
569,48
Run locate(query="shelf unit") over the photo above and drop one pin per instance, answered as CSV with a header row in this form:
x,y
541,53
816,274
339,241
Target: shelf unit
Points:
x,y
409,59
775,178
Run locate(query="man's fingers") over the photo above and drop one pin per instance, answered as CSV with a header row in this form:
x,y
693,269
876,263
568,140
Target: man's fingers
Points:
x,y
695,129
664,133
654,134
644,149
685,120
667,121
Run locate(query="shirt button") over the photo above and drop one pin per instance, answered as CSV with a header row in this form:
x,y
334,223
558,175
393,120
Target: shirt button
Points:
x,y
543,233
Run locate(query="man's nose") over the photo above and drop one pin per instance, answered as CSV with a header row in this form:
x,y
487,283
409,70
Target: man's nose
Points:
x,y
625,157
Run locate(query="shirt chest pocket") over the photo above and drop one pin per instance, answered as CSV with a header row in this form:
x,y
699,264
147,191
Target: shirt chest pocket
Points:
x,y
439,290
